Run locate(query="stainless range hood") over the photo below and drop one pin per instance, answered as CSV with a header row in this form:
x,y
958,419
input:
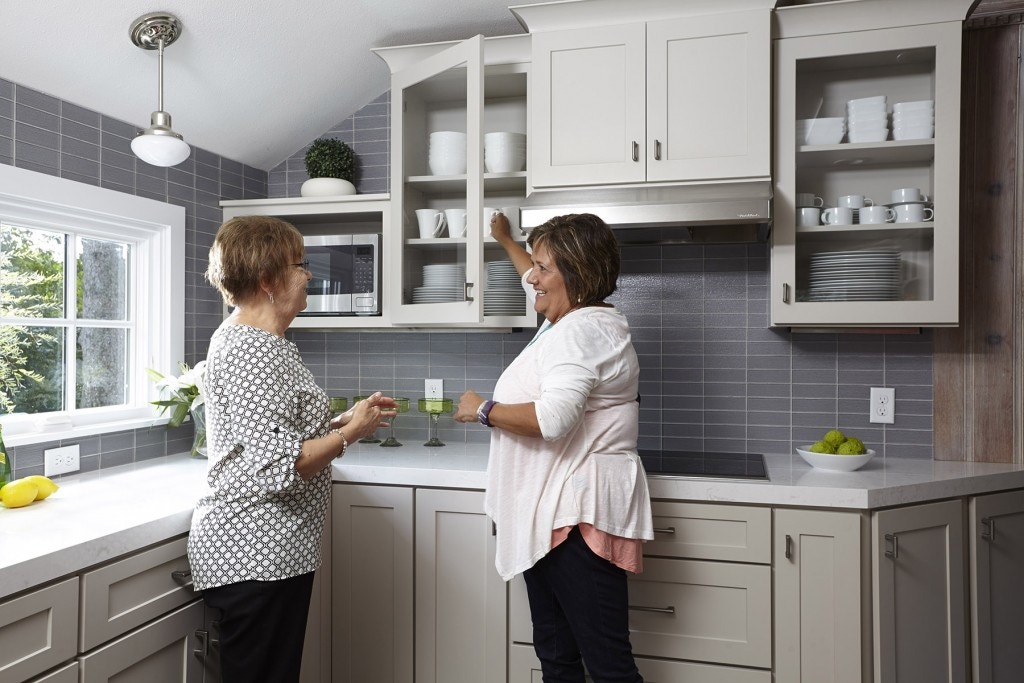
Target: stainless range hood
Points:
x,y
704,213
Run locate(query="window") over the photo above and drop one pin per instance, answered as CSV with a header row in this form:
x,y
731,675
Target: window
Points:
x,y
91,293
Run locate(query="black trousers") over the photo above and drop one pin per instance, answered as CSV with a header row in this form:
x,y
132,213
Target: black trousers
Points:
x,y
262,628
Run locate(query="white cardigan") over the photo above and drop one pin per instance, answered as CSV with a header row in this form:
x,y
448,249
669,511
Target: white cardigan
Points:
x,y
582,375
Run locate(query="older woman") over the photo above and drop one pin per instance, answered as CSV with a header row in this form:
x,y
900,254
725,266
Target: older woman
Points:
x,y
565,486
255,538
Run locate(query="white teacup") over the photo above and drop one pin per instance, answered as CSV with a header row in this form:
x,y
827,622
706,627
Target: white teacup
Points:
x,y
809,199
456,219
876,214
808,216
431,222
855,201
908,194
837,215
512,214
913,213
488,215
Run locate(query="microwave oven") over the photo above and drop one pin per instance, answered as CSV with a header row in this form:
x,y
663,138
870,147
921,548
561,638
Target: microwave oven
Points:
x,y
346,273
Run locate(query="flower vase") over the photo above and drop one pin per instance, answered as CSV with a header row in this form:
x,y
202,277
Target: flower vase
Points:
x,y
199,438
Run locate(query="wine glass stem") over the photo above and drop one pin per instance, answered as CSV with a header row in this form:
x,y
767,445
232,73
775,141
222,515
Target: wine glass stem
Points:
x,y
434,417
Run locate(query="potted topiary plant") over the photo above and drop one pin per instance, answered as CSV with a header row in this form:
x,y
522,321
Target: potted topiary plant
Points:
x,y
331,166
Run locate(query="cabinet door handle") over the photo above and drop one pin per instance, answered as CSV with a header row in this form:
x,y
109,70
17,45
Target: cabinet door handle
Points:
x,y
785,292
182,576
988,528
636,151
204,644
469,289
657,150
789,547
665,530
660,610
892,546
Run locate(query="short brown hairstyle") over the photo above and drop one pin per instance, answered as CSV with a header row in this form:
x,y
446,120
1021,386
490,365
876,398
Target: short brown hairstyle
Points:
x,y
249,251
586,253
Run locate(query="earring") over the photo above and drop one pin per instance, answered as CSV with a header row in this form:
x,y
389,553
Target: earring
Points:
x,y
271,295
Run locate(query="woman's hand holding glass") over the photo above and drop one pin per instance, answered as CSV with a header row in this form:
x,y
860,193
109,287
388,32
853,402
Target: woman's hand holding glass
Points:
x,y
366,416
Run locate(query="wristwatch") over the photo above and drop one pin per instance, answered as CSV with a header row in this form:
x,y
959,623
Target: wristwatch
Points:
x,y
483,412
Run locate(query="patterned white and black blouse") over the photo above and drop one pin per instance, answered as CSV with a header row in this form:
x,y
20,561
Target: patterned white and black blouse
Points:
x,y
259,520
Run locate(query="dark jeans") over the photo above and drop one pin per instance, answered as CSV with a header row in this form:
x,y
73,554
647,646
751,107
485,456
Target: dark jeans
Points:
x,y
579,606
262,628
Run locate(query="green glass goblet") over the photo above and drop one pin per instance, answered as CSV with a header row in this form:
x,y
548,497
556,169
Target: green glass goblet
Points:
x,y
435,407
401,406
339,404
373,437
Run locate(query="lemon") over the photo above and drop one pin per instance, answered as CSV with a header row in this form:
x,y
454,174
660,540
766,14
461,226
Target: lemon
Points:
x,y
18,493
45,485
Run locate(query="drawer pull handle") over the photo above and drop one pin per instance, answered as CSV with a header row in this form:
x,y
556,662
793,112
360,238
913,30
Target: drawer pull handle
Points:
x,y
657,150
785,292
892,546
636,151
204,644
988,528
665,530
469,291
182,576
659,610
789,547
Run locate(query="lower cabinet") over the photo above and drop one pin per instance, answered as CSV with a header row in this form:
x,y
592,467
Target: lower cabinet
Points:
x,y
415,592
38,630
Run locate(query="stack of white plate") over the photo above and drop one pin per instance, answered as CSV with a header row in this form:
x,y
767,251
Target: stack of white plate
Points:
x,y
442,282
913,120
504,152
504,293
826,131
855,276
447,153
866,119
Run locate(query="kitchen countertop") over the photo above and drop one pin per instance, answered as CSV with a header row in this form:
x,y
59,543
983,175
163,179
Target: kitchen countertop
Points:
x,y
98,516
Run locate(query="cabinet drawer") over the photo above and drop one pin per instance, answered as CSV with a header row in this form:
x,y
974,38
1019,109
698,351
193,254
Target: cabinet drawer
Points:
x,y
65,674
524,667
38,630
699,531
687,609
165,651
128,593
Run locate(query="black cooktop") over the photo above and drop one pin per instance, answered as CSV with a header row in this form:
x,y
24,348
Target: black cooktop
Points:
x,y
703,464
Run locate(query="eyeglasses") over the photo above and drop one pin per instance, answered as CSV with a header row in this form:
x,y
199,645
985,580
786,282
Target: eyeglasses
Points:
x,y
304,265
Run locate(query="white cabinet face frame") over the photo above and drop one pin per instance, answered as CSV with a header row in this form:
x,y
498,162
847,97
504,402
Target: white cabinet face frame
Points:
x,y
815,76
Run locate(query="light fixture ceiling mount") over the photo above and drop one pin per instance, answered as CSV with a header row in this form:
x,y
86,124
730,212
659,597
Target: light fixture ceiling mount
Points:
x,y
159,144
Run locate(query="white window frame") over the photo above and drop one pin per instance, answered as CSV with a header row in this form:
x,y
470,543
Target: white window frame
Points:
x,y
156,231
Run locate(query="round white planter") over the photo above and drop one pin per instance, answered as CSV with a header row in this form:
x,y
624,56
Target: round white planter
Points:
x,y
326,187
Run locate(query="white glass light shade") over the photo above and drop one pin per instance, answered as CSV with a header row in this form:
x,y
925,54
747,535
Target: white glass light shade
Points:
x,y
159,144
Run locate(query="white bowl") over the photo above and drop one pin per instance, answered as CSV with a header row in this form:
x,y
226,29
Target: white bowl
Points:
x,y
823,137
861,101
865,109
835,463
919,105
860,119
912,132
913,119
880,135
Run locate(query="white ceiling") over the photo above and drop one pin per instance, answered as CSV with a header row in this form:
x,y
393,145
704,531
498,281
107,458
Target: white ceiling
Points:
x,y
250,80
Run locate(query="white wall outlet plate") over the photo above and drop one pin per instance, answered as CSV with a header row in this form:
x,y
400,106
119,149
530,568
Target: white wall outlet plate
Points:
x,y
60,460
433,388
883,405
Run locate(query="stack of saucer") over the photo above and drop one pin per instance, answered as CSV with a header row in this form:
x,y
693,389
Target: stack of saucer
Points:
x,y
442,282
867,120
913,120
503,294
447,153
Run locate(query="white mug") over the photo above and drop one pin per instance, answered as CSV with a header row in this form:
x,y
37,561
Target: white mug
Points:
x,y
837,215
488,215
908,194
431,222
855,201
876,214
808,216
456,219
805,199
913,213
512,214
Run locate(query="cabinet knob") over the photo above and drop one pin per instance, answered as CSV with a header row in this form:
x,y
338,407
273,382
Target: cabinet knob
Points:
x,y
636,151
657,150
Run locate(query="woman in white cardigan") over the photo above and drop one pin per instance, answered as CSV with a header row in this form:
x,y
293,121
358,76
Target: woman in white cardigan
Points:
x,y
565,486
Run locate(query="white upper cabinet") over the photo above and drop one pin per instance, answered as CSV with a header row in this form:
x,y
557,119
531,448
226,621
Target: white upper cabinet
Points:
x,y
674,100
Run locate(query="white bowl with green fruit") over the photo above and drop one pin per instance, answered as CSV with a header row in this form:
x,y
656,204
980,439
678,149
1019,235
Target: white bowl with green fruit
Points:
x,y
836,452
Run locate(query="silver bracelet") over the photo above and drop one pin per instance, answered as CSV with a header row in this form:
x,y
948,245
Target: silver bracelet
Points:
x,y
344,441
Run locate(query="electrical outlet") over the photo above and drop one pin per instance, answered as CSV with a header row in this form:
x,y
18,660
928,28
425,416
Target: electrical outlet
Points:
x,y
433,388
60,460
883,405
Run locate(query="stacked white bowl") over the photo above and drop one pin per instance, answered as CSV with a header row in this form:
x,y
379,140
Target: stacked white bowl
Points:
x,y
913,120
867,120
447,153
504,152
824,131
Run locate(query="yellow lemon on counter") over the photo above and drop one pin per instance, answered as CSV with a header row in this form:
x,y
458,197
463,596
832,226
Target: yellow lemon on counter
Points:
x,y
18,493
44,484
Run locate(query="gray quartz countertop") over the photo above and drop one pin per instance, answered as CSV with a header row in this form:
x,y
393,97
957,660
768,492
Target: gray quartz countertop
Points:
x,y
98,516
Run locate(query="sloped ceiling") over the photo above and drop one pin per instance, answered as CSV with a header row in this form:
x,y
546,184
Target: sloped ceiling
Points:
x,y
251,80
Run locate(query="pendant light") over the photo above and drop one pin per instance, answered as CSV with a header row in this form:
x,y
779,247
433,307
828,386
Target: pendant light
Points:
x,y
159,144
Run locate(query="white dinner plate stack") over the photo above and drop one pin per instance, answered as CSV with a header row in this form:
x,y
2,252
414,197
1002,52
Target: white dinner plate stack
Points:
x,y
504,293
855,276
442,282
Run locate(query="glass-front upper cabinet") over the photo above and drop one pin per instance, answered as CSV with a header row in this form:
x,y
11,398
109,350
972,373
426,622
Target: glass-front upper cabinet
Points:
x,y
866,207
458,136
